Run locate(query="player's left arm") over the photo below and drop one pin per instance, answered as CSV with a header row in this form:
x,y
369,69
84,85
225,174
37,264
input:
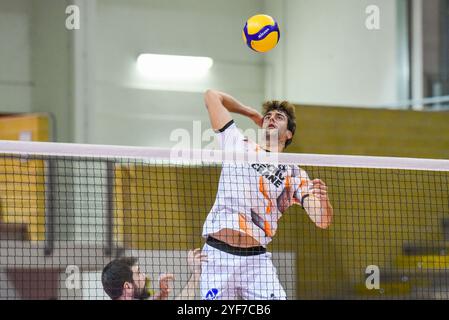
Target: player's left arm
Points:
x,y
315,200
194,260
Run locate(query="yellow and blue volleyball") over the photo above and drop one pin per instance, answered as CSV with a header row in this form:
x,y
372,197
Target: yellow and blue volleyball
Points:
x,y
261,33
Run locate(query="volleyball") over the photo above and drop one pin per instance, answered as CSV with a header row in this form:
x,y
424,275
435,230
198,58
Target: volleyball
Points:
x,y
261,33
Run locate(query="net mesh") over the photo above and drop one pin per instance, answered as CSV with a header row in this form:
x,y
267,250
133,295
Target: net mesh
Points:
x,y
64,218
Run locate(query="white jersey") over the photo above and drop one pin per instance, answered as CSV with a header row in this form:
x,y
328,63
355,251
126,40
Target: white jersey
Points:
x,y
252,197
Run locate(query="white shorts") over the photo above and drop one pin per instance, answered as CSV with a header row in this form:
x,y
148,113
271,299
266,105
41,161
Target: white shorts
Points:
x,y
231,277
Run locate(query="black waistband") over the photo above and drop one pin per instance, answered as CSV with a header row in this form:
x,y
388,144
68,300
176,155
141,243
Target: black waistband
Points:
x,y
223,246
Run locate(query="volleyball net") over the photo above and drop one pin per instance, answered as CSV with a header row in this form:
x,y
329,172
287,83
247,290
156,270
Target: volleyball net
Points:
x,y
68,210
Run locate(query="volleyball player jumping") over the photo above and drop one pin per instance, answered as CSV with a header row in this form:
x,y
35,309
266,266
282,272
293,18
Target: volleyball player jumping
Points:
x,y
250,200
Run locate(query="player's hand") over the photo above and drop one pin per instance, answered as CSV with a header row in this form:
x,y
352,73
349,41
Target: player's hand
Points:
x,y
318,189
194,259
165,285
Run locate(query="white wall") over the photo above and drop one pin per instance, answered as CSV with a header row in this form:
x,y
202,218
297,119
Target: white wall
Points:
x,y
15,56
130,110
327,56
35,60
51,64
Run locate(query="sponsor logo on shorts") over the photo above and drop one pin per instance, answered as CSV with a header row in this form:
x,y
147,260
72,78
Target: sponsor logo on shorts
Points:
x,y
211,294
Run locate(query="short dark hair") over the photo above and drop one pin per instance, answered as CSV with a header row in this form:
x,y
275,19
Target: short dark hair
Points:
x,y
115,274
285,107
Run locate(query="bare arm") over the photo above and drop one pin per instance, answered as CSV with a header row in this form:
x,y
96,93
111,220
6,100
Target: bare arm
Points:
x,y
194,260
220,105
317,204
188,292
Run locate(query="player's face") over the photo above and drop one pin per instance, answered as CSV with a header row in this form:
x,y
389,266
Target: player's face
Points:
x,y
139,285
276,123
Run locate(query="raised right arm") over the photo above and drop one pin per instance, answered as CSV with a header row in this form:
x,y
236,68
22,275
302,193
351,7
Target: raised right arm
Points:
x,y
219,106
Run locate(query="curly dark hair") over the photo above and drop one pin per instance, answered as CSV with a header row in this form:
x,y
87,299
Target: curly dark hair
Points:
x,y
287,108
115,274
